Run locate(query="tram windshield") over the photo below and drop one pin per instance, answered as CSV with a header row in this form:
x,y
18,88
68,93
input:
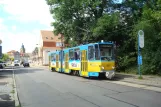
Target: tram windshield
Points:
x,y
106,51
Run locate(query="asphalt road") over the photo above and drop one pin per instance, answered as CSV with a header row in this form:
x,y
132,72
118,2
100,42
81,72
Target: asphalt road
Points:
x,y
41,88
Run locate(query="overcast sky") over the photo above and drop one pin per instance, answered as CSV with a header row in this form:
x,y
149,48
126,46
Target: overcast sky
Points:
x,y
21,22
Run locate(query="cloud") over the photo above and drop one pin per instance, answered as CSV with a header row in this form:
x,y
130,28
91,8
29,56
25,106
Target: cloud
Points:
x,y
14,27
23,13
14,40
2,26
28,10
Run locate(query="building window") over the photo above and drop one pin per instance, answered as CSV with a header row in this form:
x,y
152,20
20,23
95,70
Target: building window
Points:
x,y
51,38
46,37
59,44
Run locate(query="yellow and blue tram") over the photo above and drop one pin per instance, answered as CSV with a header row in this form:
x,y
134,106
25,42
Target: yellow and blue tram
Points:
x,y
90,60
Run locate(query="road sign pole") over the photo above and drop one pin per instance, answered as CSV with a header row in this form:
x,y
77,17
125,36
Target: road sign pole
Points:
x,y
0,48
140,45
139,57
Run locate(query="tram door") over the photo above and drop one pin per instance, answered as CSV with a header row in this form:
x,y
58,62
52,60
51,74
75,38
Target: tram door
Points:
x,y
57,62
66,63
84,63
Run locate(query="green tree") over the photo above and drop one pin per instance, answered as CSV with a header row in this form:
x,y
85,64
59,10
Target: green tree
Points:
x,y
150,23
76,18
91,21
5,57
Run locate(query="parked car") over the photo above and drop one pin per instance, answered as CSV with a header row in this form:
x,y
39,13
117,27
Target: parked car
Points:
x,y
2,65
26,64
16,63
5,64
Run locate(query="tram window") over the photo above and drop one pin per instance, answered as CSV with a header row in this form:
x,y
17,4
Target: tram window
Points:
x,y
77,54
97,57
71,54
106,52
91,53
53,57
60,55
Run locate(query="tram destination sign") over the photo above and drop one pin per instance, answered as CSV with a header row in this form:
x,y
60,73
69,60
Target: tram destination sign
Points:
x,y
105,46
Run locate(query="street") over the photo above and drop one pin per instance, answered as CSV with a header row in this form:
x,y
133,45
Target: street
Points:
x,y
40,88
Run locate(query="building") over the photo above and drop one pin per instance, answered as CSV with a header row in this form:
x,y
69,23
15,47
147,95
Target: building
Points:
x,y
17,56
23,55
14,55
11,53
48,42
22,49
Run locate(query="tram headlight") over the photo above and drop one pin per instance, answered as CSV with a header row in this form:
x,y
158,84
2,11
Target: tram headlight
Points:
x,y
113,67
102,68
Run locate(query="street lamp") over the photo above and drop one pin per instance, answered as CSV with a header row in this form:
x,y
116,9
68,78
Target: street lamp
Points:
x,y
37,52
0,49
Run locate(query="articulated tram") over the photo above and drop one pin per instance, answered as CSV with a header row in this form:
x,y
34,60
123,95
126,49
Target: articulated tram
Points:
x,y
90,60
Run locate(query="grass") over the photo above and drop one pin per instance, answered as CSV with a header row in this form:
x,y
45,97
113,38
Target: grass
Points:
x,y
13,91
140,77
18,106
131,70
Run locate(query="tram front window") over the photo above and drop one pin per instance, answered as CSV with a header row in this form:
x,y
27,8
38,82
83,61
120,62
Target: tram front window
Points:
x,y
106,51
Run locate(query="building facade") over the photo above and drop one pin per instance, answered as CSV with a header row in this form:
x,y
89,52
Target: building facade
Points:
x,y
48,42
11,53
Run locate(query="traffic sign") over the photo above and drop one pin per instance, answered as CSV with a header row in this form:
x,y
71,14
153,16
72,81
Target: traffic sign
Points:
x,y
141,38
140,62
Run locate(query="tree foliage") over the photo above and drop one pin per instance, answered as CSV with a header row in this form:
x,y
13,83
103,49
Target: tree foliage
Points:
x,y
94,20
5,57
151,23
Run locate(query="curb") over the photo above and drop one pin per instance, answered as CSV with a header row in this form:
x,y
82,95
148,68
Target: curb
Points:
x,y
17,103
142,84
41,67
156,89
133,82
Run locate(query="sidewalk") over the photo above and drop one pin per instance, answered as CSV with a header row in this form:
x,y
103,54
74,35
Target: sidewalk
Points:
x,y
147,80
6,89
39,66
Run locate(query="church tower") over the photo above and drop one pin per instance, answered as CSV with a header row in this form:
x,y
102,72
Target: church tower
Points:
x,y
22,50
